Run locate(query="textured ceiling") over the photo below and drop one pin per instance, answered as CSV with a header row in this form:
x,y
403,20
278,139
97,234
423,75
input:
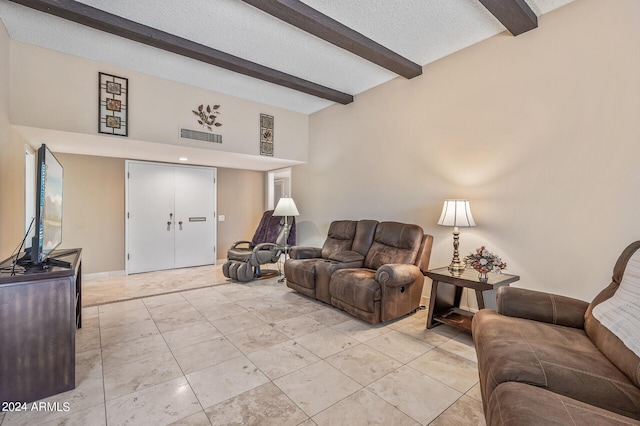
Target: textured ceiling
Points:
x,y
420,30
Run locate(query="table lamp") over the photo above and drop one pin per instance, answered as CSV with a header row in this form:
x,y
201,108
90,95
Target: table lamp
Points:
x,y
456,213
286,207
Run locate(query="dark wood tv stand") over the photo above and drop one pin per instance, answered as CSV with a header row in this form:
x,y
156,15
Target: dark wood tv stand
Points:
x,y
40,309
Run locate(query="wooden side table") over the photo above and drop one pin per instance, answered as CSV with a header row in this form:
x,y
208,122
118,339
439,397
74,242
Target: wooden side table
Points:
x,y
446,292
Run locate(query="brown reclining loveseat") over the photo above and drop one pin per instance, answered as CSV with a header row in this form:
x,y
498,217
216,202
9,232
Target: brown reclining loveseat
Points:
x,y
546,359
372,270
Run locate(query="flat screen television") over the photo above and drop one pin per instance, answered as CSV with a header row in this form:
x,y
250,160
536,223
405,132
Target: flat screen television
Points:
x,y
48,219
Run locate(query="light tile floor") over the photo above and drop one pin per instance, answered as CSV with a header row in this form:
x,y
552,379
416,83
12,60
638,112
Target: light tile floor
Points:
x,y
98,291
260,354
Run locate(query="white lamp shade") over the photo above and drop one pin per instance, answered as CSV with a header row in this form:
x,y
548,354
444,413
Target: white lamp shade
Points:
x,y
456,213
286,207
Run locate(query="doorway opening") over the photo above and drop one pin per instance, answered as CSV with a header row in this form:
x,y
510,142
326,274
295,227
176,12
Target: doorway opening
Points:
x,y
278,186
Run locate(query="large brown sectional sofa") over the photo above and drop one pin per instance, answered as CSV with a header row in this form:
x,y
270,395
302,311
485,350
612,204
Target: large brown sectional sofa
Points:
x,y
372,270
545,359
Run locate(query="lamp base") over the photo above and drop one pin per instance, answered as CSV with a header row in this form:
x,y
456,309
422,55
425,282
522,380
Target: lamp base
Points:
x,y
456,266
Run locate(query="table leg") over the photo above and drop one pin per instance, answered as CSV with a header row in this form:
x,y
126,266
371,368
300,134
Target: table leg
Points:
x,y
432,304
480,299
457,297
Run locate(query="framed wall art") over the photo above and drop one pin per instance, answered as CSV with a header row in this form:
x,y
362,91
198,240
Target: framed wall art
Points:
x,y
266,135
113,107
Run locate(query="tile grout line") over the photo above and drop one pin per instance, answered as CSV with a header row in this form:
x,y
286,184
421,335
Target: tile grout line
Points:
x,y
272,325
110,302
275,297
176,361
104,389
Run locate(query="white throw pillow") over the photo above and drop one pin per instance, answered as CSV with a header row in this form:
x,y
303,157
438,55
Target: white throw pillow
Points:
x,y
621,313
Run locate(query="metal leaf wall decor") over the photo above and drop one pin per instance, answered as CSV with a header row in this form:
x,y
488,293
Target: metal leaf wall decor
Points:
x,y
207,116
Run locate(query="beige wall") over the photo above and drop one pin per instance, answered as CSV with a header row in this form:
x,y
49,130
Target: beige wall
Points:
x,y
65,98
93,215
241,201
11,163
539,131
94,209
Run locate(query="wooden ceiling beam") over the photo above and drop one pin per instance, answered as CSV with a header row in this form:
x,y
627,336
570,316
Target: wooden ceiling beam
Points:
x,y
310,20
113,24
515,15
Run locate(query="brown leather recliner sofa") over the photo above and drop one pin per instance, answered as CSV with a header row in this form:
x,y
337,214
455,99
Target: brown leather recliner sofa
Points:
x,y
545,359
372,270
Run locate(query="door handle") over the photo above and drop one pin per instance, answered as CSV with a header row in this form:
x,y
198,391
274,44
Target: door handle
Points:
x,y
180,223
169,223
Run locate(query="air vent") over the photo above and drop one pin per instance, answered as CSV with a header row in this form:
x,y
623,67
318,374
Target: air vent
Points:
x,y
200,136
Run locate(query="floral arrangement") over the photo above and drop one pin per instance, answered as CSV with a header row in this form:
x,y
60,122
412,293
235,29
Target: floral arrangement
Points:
x,y
483,261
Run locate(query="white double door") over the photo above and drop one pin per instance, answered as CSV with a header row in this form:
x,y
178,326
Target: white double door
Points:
x,y
170,216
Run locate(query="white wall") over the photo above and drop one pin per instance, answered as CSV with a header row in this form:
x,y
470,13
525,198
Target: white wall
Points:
x,y
57,91
539,131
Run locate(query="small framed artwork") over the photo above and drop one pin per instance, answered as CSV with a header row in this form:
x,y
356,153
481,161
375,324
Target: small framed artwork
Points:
x,y
266,135
113,106
113,122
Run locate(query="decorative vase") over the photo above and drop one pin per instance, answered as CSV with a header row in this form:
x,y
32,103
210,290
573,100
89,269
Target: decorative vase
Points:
x,y
482,276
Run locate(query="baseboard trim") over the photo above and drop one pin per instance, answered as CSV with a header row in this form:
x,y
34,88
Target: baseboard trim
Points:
x,y
107,274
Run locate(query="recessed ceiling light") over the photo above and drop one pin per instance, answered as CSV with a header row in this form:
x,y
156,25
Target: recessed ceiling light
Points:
x,y
183,159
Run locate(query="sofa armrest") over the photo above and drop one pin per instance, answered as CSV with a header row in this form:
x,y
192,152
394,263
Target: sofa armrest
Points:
x,y
347,257
299,252
398,274
543,307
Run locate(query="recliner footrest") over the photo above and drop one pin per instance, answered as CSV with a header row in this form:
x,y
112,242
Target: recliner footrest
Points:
x,y
239,271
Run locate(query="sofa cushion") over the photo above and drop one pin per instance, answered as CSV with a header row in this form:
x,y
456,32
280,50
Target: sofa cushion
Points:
x,y
365,232
339,237
302,271
347,257
519,404
560,359
394,242
326,268
301,252
619,303
355,287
